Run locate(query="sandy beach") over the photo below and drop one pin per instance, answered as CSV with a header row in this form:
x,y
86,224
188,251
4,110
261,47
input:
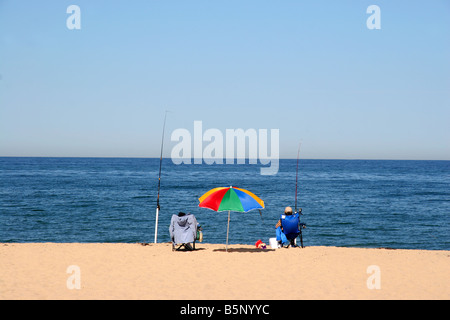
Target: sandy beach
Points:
x,y
153,271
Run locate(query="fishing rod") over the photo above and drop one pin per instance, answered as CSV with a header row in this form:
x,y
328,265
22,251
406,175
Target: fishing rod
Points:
x,y
296,177
159,179
301,225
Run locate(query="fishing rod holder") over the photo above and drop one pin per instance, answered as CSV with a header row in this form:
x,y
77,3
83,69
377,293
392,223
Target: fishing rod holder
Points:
x,y
301,225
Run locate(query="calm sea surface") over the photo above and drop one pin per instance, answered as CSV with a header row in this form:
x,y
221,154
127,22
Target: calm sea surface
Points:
x,y
351,203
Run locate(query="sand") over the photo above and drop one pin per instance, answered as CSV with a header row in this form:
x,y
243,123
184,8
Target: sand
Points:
x,y
133,271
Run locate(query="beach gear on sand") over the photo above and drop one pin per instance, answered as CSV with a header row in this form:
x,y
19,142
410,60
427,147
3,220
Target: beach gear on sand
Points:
x,y
199,235
230,199
260,245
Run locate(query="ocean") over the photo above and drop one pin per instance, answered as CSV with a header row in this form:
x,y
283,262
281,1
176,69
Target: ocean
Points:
x,y
346,203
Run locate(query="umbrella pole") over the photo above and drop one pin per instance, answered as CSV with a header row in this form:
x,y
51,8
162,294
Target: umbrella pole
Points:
x,y
228,229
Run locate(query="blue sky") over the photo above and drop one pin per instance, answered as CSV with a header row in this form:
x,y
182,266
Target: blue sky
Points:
x,y
311,69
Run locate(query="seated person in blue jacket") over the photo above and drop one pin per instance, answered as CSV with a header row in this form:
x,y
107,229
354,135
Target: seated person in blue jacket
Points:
x,y
281,237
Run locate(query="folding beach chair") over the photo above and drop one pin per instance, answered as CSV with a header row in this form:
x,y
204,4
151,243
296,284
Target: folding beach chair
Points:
x,y
291,227
184,231
185,246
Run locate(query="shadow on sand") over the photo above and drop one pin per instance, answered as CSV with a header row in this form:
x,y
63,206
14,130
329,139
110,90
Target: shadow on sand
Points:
x,y
244,250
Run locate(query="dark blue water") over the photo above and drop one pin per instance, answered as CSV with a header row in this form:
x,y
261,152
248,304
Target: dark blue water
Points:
x,y
354,203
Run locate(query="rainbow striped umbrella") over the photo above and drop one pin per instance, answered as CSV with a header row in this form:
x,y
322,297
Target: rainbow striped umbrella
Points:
x,y
230,199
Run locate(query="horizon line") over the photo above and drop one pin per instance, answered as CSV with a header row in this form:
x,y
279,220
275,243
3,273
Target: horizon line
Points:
x,y
224,159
